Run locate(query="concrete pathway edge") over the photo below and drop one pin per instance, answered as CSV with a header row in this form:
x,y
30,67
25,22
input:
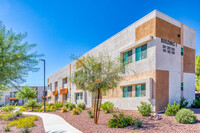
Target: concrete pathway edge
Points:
x,y
54,123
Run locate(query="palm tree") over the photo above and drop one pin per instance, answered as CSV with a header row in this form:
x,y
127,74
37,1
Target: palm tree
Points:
x,y
97,75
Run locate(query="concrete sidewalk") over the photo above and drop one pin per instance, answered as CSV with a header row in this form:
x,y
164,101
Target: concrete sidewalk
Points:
x,y
54,123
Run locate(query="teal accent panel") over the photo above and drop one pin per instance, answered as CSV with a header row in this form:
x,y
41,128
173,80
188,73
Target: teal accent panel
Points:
x,y
137,53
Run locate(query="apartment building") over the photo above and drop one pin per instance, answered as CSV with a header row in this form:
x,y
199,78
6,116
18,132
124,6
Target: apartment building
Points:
x,y
9,96
159,53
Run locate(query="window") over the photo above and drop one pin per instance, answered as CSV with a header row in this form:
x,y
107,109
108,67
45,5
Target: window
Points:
x,y
141,52
182,51
127,91
13,94
56,85
51,86
140,90
64,81
79,96
127,57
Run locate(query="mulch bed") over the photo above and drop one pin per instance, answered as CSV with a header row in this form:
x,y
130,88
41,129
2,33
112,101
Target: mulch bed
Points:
x,y
167,124
38,128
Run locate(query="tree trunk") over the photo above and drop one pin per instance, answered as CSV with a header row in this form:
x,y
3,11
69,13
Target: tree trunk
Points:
x,y
97,106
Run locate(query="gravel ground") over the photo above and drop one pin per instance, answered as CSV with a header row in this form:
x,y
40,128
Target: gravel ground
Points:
x,y
38,128
167,124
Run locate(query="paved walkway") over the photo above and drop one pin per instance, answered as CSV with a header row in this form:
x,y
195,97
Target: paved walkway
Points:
x,y
54,123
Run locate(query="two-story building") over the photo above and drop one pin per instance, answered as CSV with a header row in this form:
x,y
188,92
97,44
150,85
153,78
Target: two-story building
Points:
x,y
159,53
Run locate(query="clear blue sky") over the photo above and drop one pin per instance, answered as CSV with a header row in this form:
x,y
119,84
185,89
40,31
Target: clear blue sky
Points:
x,y
65,27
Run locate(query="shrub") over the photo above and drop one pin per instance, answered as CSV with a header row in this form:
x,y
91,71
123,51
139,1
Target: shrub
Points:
x,y
27,121
26,130
185,116
49,110
76,111
7,128
23,109
57,105
196,103
172,109
8,108
42,108
90,113
70,106
31,103
145,109
120,120
138,122
107,107
64,109
81,105
6,116
18,113
183,103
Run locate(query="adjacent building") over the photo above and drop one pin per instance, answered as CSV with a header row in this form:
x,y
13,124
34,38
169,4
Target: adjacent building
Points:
x,y
9,96
159,53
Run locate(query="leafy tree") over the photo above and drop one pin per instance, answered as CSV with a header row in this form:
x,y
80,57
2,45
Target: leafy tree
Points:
x,y
16,58
26,93
97,75
197,72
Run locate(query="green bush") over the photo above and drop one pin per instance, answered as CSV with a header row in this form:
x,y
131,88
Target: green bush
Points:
x,y
6,116
70,106
90,113
185,116
107,107
18,113
138,122
23,109
7,128
48,110
8,108
120,120
57,105
76,111
172,109
183,103
31,103
196,103
145,109
81,105
27,121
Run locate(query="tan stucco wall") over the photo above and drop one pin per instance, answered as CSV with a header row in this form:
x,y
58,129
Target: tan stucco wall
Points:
x,y
159,28
162,89
118,92
188,60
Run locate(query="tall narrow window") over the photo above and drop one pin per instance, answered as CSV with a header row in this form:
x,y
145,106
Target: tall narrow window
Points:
x,y
127,57
141,52
81,95
127,91
140,90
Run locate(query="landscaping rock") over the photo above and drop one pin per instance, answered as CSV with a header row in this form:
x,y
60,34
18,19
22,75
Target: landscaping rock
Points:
x,y
155,116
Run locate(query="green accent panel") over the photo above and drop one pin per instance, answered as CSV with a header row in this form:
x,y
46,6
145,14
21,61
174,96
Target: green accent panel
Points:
x,y
182,84
138,90
143,90
144,51
181,49
77,96
124,91
129,94
137,53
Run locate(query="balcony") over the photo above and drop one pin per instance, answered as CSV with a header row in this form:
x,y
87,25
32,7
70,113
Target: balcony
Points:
x,y
64,91
55,93
13,98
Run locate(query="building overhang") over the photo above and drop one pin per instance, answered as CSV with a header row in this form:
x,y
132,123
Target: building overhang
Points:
x,y
55,93
64,91
136,44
